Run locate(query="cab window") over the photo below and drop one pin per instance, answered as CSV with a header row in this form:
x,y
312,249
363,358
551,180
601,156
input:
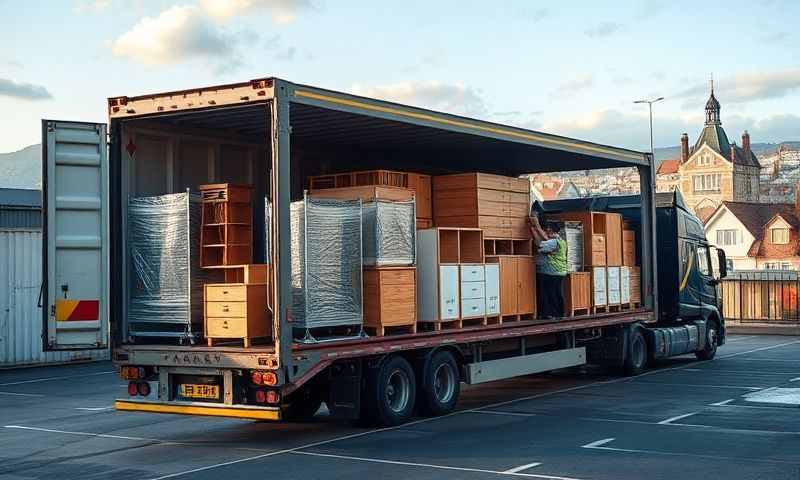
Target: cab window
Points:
x,y
702,261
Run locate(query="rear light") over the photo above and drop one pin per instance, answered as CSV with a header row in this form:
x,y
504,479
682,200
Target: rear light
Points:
x,y
133,389
273,397
264,378
261,397
144,389
133,373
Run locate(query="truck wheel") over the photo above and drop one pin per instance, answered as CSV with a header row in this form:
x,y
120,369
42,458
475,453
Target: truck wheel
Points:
x,y
440,385
303,404
636,356
390,393
712,337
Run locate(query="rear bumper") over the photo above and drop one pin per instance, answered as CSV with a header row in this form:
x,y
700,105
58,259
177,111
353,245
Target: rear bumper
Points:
x,y
202,409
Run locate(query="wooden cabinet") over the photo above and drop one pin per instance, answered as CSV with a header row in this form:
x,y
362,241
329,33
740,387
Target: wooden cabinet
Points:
x,y
636,286
598,256
390,298
577,293
517,285
494,203
421,184
366,193
613,231
596,225
236,311
226,235
629,248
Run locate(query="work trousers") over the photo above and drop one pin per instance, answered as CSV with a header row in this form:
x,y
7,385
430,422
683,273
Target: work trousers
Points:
x,y
550,295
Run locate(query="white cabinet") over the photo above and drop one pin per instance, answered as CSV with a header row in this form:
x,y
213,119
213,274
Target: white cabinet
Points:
x,y
473,290
448,292
625,285
473,307
613,286
492,288
599,291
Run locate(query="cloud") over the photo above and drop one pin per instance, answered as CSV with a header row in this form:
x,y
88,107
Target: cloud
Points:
x,y
453,98
23,91
774,128
282,11
747,86
603,29
575,85
93,6
180,33
649,8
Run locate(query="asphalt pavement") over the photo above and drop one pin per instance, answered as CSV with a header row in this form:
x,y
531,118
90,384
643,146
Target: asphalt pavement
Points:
x,y
735,418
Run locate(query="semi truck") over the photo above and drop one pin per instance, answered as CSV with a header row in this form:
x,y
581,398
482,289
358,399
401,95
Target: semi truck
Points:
x,y
272,134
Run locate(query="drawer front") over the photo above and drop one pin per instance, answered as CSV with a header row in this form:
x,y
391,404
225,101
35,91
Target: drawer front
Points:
x,y
226,293
448,292
473,307
398,277
473,290
226,327
226,309
472,273
598,243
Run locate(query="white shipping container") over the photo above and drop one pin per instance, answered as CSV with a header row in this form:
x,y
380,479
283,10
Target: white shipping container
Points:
x,y
625,285
20,315
613,286
600,293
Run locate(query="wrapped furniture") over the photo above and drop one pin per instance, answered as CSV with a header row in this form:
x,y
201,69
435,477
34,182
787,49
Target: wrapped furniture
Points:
x,y
326,265
389,233
166,298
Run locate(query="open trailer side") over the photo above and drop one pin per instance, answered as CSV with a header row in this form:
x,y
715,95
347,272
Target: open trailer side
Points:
x,y
279,133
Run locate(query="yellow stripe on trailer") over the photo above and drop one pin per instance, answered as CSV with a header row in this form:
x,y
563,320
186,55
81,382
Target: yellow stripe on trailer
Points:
x,y
221,411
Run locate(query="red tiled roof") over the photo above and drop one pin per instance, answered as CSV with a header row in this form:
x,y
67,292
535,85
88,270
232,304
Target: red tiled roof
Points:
x,y
668,166
756,216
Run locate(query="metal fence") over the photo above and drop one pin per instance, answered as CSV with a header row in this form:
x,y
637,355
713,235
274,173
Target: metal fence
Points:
x,y
763,296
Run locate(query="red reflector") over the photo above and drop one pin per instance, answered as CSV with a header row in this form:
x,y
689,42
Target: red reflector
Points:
x,y
261,397
272,397
132,389
144,389
257,378
269,378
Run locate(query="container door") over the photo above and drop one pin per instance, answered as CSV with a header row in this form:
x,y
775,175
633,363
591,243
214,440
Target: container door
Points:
x,y
75,293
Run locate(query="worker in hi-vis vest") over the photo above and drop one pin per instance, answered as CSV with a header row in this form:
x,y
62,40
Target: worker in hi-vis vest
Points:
x,y
551,267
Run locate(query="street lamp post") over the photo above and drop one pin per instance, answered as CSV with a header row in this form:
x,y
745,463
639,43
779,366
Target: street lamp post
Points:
x,y
650,105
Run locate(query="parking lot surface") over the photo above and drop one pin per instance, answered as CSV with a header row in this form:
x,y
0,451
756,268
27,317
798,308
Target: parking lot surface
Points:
x,y
736,417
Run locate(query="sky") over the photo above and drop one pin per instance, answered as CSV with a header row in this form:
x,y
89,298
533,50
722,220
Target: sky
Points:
x,y
570,67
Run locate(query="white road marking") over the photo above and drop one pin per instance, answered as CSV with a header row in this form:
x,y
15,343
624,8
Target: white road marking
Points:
x,y
795,379
724,402
670,420
50,379
775,395
739,339
521,468
14,394
93,409
601,445
700,385
754,372
87,434
598,443
510,414
761,349
429,465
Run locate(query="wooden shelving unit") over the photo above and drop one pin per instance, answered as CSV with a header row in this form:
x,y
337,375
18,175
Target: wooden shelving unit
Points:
x,y
390,300
577,294
226,235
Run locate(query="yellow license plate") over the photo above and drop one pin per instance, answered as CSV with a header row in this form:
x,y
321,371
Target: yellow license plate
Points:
x,y
191,390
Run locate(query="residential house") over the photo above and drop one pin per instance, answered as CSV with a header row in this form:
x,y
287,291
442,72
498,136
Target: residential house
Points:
x,y
667,175
757,235
547,187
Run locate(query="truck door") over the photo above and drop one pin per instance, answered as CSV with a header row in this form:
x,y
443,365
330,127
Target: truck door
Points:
x,y
689,281
75,257
708,285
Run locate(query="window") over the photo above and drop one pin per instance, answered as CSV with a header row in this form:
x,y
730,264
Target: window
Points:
x,y
705,159
706,183
778,266
726,237
779,236
786,266
729,264
702,261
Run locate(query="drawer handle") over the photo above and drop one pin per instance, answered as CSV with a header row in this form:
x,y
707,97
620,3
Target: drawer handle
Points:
x,y
224,292
225,308
474,307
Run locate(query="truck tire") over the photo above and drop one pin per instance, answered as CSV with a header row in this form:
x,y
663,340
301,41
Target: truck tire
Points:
x,y
712,336
636,356
303,404
389,393
440,385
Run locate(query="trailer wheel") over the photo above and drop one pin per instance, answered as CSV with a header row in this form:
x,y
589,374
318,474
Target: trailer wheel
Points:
x,y
636,356
712,341
303,404
440,385
390,393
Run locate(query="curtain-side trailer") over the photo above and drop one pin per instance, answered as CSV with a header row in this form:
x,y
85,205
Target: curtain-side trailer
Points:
x,y
272,134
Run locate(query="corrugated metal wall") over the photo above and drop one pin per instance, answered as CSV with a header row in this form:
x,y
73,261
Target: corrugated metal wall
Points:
x,y
20,316
11,217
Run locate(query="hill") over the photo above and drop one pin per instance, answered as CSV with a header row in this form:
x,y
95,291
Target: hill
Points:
x,y
22,169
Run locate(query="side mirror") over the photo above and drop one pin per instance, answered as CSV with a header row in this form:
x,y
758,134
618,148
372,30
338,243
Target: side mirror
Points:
x,y
723,263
